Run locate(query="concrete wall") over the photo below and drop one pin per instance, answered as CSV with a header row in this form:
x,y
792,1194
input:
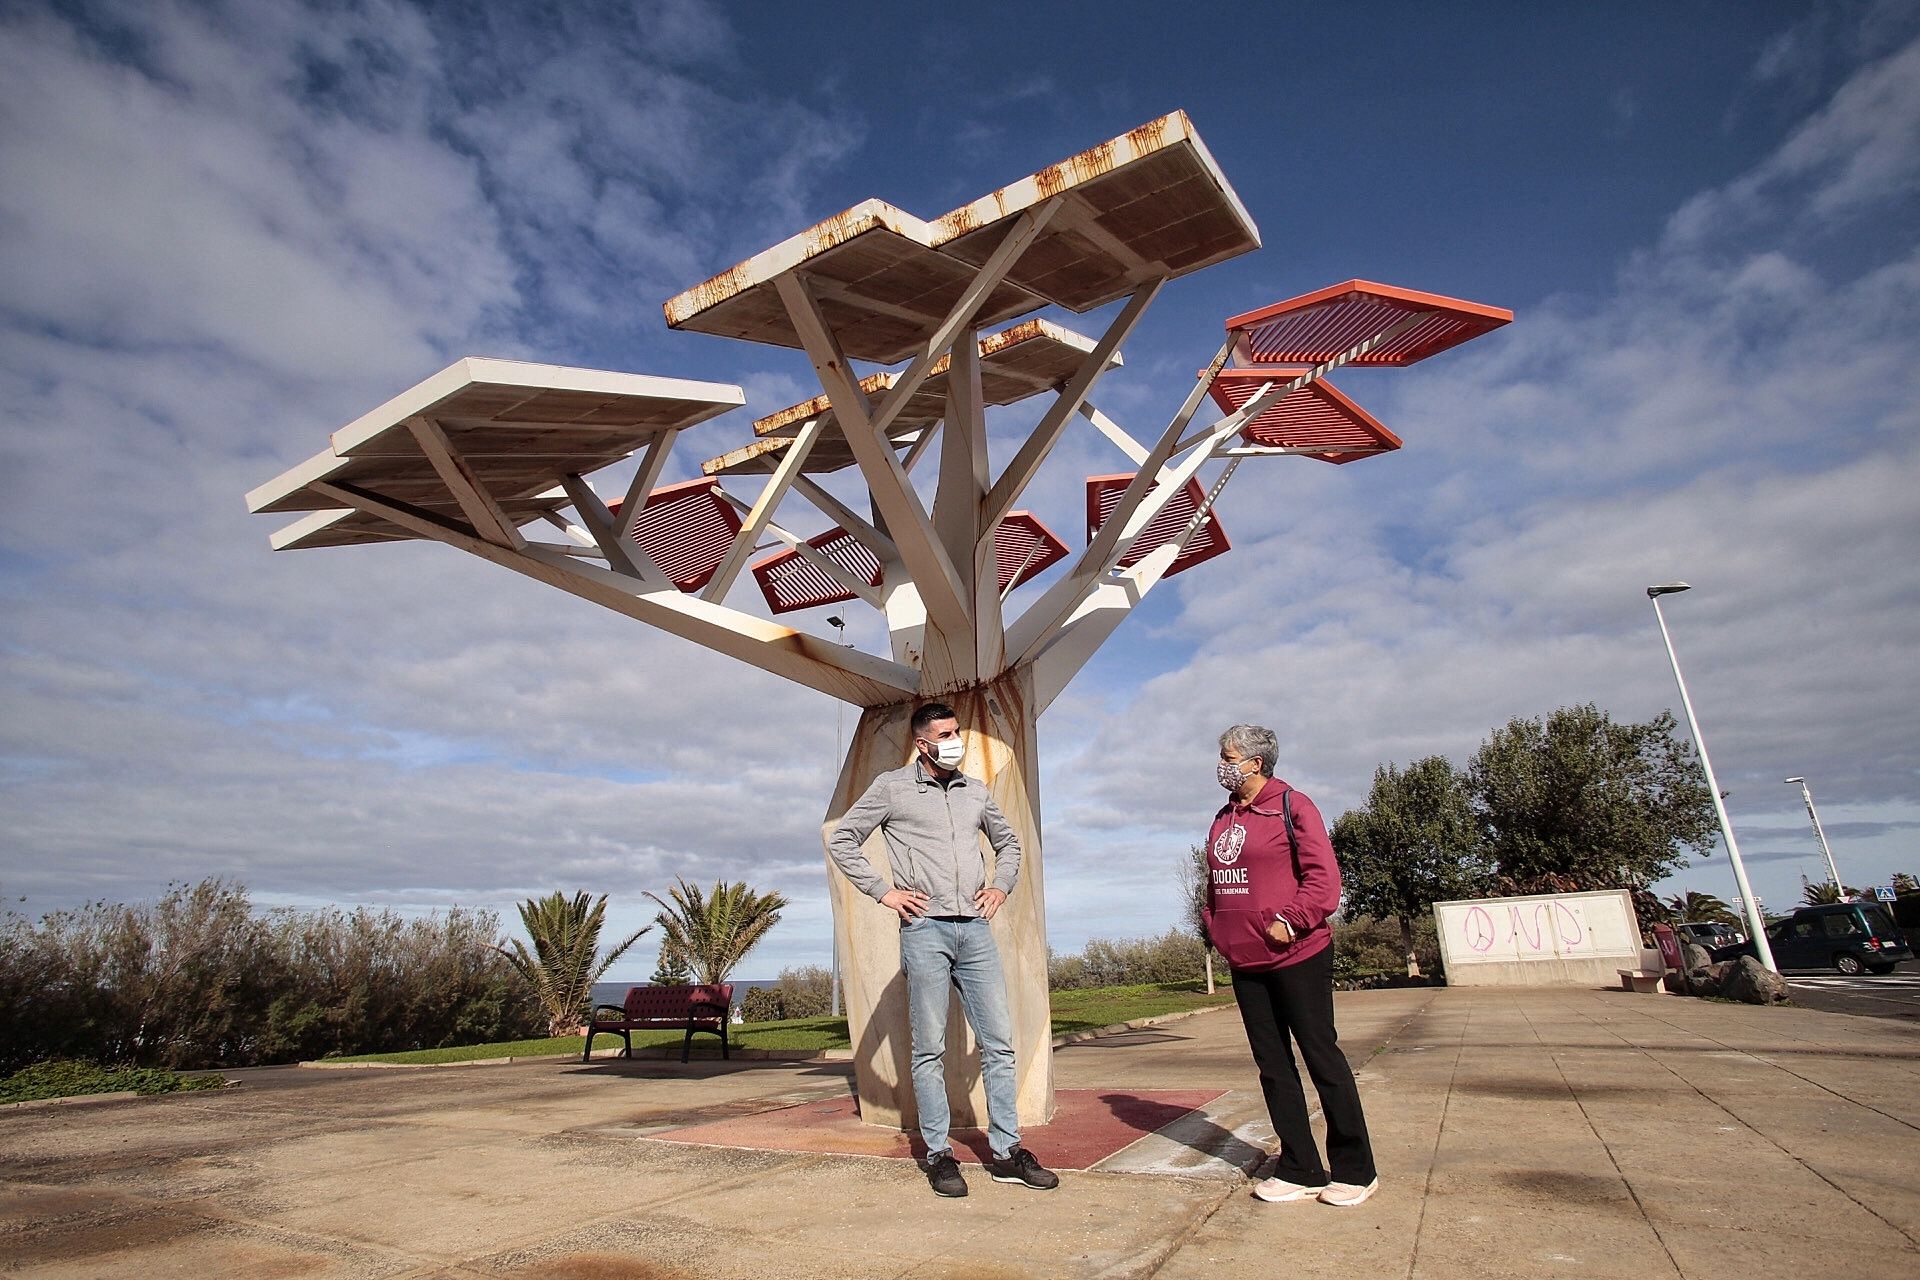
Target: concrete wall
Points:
x,y
1558,939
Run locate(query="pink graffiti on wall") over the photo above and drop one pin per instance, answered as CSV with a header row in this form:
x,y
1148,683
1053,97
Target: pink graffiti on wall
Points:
x,y
1539,928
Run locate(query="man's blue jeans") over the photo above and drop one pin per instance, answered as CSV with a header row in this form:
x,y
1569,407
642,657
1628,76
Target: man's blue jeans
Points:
x,y
938,956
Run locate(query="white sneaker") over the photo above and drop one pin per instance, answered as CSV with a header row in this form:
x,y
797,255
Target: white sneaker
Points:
x,y
1280,1191
1346,1195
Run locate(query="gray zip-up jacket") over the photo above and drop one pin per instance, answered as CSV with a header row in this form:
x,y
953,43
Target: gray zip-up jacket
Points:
x,y
933,833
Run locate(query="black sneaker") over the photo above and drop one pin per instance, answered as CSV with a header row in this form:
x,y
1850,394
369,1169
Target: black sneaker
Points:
x,y
943,1174
1021,1167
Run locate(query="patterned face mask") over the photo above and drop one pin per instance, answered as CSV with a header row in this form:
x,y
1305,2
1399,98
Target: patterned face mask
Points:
x,y
1230,775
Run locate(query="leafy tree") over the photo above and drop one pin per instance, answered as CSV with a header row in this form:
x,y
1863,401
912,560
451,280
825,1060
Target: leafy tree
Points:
x,y
1577,801
1903,882
713,931
1193,893
565,960
672,971
1702,907
1413,843
1825,892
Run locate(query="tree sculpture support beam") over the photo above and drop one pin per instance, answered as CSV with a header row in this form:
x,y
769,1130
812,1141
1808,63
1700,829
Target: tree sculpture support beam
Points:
x,y
1002,750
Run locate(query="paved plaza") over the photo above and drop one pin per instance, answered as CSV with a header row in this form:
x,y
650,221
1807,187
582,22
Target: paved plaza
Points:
x,y
1520,1132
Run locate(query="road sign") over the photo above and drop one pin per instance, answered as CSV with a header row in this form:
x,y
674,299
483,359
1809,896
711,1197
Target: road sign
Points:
x,y
1884,894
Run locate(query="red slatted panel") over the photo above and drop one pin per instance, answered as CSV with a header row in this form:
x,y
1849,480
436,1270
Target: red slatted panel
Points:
x,y
1209,540
1317,415
789,582
1023,546
687,529
1319,326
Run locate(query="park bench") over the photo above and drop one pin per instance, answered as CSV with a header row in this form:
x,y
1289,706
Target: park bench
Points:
x,y
1645,981
696,1008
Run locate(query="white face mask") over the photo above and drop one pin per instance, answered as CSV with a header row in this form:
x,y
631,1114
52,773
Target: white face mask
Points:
x,y
949,752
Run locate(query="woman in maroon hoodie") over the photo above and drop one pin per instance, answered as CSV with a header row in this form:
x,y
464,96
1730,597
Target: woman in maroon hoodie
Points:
x,y
1272,882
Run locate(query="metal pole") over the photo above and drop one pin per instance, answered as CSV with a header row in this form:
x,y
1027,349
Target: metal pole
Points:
x,y
1832,871
833,909
1756,923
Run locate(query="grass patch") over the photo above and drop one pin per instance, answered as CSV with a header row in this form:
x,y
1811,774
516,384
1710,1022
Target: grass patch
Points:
x,y
62,1078
1072,1011
1092,1007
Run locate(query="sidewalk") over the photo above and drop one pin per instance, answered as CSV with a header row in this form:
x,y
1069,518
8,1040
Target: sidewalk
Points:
x,y
1519,1133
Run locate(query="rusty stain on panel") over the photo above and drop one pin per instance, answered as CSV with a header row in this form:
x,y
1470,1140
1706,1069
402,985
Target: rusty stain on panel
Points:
x,y
708,293
848,224
820,404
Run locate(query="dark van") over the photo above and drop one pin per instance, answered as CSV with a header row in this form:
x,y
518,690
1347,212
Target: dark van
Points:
x,y
1853,937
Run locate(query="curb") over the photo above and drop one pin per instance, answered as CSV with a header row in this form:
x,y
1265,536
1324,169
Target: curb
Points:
x,y
599,1055
704,1054
1136,1024
71,1100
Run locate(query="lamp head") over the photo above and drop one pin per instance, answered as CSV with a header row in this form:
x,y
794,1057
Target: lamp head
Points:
x,y
1666,589
835,620
1801,780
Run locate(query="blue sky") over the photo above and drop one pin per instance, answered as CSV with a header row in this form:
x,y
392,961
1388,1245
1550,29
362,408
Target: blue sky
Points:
x,y
229,230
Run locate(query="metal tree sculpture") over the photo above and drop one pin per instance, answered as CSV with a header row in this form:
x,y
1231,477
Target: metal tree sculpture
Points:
x,y
473,455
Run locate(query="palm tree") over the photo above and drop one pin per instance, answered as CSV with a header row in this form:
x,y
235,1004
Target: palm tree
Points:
x,y
1703,907
713,932
562,965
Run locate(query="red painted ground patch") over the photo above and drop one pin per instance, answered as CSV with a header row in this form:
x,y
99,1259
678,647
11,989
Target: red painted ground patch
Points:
x,y
1088,1126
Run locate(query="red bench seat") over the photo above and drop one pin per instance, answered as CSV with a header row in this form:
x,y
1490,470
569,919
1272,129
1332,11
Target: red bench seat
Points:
x,y
705,1008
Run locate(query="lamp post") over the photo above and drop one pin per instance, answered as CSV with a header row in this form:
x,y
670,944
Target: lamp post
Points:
x,y
839,624
1750,907
1832,871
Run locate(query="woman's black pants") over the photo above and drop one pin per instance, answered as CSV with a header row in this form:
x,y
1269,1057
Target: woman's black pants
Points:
x,y
1298,1000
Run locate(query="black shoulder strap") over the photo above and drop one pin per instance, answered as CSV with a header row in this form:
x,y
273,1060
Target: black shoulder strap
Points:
x,y
1286,816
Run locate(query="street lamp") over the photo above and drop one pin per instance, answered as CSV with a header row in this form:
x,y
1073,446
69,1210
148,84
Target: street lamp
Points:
x,y
1819,835
1756,924
839,624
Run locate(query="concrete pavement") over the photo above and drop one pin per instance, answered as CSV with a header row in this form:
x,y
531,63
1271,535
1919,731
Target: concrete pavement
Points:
x,y
1519,1132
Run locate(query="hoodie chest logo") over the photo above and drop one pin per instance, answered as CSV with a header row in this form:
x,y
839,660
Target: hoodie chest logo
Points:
x,y
1226,849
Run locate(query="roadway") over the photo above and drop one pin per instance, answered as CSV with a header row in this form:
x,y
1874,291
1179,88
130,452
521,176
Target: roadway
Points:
x,y
1883,995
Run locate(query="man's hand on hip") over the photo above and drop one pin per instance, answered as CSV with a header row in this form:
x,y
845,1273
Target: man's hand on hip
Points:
x,y
908,904
988,901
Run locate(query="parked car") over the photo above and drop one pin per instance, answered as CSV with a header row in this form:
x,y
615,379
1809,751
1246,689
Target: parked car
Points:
x,y
1853,937
1708,933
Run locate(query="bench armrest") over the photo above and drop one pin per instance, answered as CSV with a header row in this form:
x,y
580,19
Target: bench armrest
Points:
x,y
619,1012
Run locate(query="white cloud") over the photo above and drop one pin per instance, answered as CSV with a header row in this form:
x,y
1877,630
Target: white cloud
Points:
x,y
228,231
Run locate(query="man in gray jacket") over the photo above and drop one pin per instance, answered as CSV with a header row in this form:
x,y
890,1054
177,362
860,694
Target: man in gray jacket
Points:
x,y
932,816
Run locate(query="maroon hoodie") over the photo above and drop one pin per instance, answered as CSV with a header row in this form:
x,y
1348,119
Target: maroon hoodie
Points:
x,y
1255,877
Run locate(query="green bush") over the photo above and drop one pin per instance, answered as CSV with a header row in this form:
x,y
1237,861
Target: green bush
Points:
x,y
1172,957
806,992
64,1078
1368,946
197,980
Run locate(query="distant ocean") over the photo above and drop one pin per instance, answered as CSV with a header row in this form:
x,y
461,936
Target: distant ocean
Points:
x,y
616,992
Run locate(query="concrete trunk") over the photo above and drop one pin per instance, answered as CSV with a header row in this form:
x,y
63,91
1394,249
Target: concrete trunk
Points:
x,y
998,722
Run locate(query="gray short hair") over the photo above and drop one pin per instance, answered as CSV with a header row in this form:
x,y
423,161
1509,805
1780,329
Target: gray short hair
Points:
x,y
1254,742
